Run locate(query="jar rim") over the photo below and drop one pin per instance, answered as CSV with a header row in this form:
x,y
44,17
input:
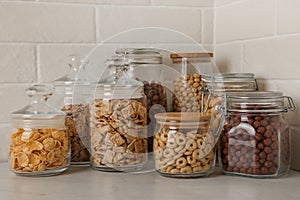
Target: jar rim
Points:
x,y
182,118
191,55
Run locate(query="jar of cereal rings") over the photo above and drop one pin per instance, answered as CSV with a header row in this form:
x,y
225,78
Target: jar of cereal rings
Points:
x,y
118,121
184,145
255,141
72,92
40,144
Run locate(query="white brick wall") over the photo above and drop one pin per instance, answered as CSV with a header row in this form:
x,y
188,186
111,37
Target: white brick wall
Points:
x,y
263,37
36,36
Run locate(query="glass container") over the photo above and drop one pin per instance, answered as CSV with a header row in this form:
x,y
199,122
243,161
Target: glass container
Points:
x,y
118,121
255,141
147,67
184,145
40,143
187,88
72,92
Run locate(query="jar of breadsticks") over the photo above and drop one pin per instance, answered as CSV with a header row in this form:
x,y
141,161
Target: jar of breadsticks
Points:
x,y
187,88
118,121
40,143
184,145
72,92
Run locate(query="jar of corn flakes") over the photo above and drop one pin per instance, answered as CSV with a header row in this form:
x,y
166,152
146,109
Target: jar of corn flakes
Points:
x,y
184,145
118,121
72,92
40,144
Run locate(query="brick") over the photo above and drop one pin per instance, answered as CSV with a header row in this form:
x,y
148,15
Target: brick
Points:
x,y
244,20
288,16
104,2
113,20
229,57
193,3
46,23
273,58
17,64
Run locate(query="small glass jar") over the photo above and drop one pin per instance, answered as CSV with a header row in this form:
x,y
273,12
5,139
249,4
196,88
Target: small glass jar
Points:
x,y
147,67
256,137
118,121
184,145
187,88
72,93
40,144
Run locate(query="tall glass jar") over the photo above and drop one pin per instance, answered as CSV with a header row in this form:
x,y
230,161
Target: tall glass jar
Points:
x,y
71,96
118,121
256,137
147,67
184,145
40,144
187,89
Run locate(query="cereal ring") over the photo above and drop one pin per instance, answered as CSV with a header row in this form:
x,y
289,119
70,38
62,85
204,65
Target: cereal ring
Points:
x,y
180,140
186,170
161,144
169,169
191,145
181,162
157,136
171,144
197,164
191,134
175,171
188,153
158,154
191,160
164,137
168,153
210,156
207,166
179,149
198,169
200,143
207,148
197,154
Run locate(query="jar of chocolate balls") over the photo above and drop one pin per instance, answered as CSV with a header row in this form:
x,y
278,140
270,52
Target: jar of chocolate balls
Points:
x,y
255,141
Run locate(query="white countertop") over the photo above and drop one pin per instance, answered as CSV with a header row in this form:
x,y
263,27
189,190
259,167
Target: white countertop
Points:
x,y
85,183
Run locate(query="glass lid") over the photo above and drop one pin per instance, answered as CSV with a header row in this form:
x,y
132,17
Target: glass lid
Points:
x,y
141,55
38,108
76,74
118,75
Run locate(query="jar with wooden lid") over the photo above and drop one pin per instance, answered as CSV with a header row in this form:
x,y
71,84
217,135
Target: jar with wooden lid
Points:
x,y
184,145
187,88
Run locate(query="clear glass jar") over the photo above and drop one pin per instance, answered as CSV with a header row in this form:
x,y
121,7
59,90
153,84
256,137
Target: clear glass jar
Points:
x,y
187,88
72,93
184,145
118,121
255,141
40,144
147,67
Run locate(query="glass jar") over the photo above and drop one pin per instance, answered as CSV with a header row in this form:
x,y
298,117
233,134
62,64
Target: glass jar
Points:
x,y
147,67
255,141
40,144
118,121
184,145
187,88
72,92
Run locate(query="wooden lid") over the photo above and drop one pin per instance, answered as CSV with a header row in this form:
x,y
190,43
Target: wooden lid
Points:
x,y
185,117
191,55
